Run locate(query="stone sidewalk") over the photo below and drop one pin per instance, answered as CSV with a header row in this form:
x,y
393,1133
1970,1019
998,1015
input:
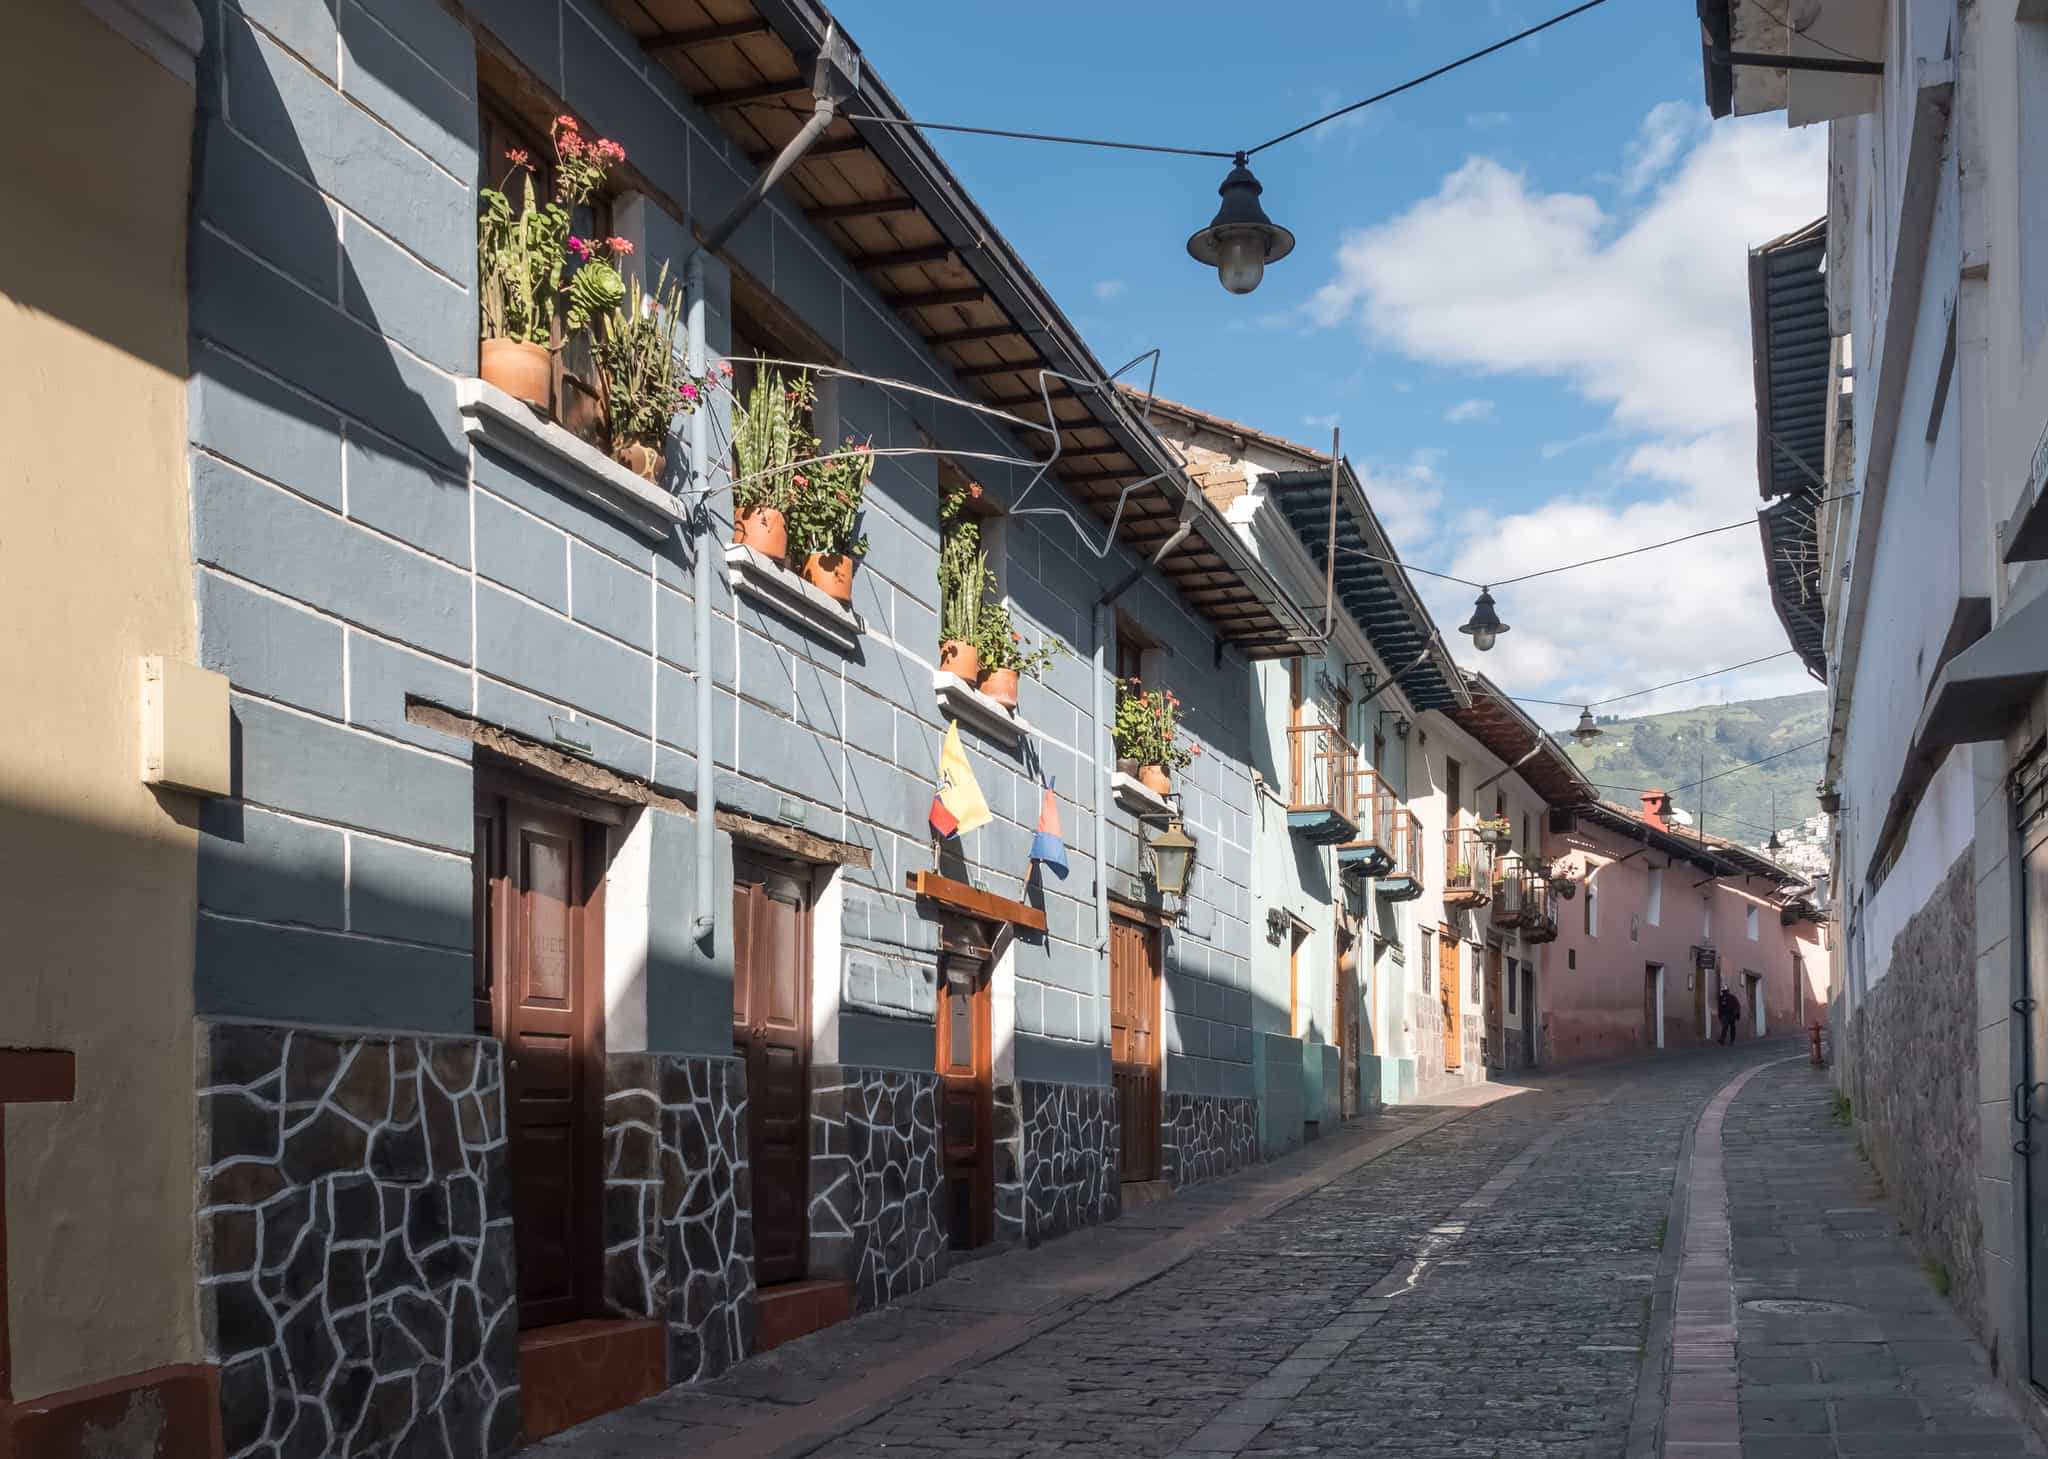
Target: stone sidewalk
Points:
x,y
1844,1344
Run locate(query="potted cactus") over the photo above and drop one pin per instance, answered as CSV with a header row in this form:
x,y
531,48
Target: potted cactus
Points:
x,y
638,384
964,584
824,516
769,433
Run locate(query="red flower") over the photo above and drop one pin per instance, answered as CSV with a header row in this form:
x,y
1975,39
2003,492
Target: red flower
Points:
x,y
566,123
517,155
620,246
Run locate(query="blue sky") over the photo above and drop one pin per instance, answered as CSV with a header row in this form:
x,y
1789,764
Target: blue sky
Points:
x,y
1520,288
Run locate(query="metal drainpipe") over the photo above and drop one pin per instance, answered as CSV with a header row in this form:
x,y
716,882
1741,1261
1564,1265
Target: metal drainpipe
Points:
x,y
1103,762
1534,750
696,359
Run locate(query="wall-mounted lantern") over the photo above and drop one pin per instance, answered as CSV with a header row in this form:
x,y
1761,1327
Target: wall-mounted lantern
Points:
x,y
1173,859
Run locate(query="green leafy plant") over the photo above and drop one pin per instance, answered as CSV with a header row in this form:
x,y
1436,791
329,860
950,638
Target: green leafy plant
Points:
x,y
1000,646
824,513
1462,872
770,431
1844,1112
1147,721
965,581
525,278
633,353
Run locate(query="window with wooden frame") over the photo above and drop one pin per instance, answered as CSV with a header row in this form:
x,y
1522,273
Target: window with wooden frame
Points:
x,y
1428,960
573,383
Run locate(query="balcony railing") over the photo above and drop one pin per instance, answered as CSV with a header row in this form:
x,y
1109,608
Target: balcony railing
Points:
x,y
1539,904
1507,891
1402,879
1468,868
1371,851
1320,805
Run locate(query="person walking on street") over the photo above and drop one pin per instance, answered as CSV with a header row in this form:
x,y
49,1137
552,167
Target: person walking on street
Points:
x,y
1730,1010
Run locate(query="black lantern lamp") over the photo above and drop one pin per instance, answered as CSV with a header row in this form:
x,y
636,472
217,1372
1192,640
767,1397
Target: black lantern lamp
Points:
x,y
1485,625
1173,859
1585,732
1401,724
1241,240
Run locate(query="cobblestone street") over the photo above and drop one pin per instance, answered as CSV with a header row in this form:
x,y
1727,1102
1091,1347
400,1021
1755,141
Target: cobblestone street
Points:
x,y
1465,1281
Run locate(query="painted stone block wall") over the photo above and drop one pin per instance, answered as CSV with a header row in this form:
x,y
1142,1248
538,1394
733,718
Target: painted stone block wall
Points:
x,y
678,1205
876,1215
355,1259
1913,1083
1204,1136
1072,1148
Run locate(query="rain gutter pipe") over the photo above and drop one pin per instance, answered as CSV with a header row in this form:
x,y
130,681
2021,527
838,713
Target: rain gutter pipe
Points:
x,y
1103,618
696,362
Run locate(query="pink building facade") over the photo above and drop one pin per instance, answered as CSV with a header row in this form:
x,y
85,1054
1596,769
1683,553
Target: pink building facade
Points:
x,y
1663,919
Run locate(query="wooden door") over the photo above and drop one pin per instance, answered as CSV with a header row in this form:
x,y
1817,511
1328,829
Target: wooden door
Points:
x,y
1528,1016
540,958
1448,993
771,1031
966,1099
1134,1042
1345,1021
1651,1039
1453,795
1496,1036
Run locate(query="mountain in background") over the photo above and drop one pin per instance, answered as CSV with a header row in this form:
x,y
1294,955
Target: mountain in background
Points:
x,y
1663,752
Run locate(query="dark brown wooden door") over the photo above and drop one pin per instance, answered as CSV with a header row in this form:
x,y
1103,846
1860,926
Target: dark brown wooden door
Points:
x,y
1134,1042
966,1099
540,954
1650,971
1496,1032
1448,994
771,1028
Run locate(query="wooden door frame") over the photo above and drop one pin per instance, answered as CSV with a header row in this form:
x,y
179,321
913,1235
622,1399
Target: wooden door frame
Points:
x,y
751,857
981,1022
500,787
1493,1003
1155,959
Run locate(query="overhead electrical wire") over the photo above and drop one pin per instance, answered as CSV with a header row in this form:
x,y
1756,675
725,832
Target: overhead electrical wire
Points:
x,y
1235,153
1791,29
1639,693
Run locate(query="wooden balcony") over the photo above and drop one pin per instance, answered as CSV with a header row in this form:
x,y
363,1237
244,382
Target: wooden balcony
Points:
x,y
1468,868
1539,904
1371,851
1321,806
1402,880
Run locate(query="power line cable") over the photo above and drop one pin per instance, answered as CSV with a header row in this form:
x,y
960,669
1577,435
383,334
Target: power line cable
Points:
x,y
1235,154
1638,693
1791,29
1500,45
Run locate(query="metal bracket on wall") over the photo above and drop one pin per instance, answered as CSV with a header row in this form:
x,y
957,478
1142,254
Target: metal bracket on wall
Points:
x,y
2024,1007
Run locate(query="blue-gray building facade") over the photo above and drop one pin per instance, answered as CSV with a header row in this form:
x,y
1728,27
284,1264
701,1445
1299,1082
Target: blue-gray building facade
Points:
x,y
414,599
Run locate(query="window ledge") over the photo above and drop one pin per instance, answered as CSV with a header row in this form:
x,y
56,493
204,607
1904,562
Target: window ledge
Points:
x,y
975,709
492,418
760,577
1135,798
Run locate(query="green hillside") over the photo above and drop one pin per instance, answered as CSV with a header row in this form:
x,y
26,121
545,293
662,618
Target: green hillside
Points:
x,y
1664,751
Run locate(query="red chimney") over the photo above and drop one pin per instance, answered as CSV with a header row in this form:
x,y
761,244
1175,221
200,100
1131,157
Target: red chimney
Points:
x,y
1656,806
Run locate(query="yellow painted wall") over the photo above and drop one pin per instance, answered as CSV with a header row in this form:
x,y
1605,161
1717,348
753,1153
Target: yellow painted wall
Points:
x,y
96,872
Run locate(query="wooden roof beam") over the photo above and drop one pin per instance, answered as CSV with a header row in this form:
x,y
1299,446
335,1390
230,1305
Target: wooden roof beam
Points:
x,y
704,35
765,91
830,147
933,298
975,336
867,208
1000,367
904,257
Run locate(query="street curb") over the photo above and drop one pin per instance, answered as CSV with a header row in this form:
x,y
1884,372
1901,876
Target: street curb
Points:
x,y
840,1411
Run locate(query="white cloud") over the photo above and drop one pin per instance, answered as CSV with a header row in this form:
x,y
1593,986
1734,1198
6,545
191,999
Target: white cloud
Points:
x,y
1108,288
1488,121
1473,409
1408,499
1323,422
1658,142
1644,314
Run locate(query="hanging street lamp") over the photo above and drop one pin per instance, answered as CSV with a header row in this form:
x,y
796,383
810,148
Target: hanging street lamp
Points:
x,y
1485,625
1774,845
1173,859
1585,732
1241,240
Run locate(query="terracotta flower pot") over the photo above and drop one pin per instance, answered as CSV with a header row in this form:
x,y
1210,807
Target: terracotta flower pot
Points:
x,y
641,460
958,656
763,529
519,369
1000,685
1155,779
831,573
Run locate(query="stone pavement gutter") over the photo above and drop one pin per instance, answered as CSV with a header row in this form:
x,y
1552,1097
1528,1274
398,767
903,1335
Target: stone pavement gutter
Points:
x,y
792,1400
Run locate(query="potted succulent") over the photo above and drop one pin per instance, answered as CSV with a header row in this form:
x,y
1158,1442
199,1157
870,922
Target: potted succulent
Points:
x,y
638,384
1146,720
824,516
526,282
1003,656
964,584
768,438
